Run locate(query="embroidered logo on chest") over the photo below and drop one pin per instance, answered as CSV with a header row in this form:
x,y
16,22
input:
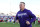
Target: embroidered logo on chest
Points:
x,y
22,14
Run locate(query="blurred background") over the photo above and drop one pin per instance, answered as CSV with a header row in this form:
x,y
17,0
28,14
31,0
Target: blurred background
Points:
x,y
9,8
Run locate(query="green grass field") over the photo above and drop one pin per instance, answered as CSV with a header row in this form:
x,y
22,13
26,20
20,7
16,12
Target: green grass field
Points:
x,y
3,24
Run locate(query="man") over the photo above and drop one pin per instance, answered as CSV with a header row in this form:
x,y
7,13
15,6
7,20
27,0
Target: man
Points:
x,y
25,17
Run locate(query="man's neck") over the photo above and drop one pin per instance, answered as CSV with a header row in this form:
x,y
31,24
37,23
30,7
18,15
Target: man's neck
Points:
x,y
22,9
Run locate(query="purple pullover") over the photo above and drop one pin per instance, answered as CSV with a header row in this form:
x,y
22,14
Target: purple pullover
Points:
x,y
25,15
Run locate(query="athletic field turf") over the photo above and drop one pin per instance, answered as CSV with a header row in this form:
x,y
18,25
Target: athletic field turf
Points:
x,y
3,24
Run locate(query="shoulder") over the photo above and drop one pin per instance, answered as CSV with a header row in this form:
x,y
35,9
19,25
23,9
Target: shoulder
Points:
x,y
27,10
18,12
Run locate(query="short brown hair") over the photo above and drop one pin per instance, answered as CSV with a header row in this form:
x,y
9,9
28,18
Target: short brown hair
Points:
x,y
22,2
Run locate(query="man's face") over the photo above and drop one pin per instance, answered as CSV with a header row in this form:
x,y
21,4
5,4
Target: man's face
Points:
x,y
22,6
